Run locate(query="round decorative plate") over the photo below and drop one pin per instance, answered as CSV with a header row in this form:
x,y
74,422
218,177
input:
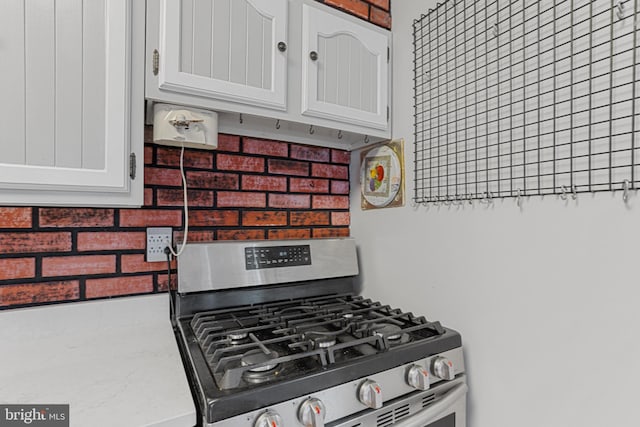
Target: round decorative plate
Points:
x,y
380,176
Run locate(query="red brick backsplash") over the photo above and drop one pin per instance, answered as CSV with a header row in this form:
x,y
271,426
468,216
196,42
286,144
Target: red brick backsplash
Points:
x,y
380,17
288,167
124,285
369,10
73,217
17,268
240,163
290,201
38,293
247,189
32,242
111,240
310,218
359,8
15,217
78,265
264,218
309,185
264,183
265,147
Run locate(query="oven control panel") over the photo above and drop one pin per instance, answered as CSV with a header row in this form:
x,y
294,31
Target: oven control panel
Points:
x,y
257,258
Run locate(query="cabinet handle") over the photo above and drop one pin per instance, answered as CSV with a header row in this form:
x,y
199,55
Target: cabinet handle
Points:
x,y
313,55
282,46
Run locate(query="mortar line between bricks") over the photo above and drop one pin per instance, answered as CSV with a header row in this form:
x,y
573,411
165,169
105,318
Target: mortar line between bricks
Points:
x,y
82,289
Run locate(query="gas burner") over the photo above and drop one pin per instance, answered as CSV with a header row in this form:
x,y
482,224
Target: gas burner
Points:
x,y
324,342
393,333
257,357
236,338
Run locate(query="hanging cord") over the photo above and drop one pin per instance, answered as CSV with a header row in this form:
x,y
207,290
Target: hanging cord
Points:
x,y
171,307
186,208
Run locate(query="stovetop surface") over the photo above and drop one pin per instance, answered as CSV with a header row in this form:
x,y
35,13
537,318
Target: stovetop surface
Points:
x,y
272,351
252,345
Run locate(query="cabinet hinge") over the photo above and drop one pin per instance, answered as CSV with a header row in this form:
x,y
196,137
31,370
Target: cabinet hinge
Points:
x,y
388,113
132,165
156,61
388,54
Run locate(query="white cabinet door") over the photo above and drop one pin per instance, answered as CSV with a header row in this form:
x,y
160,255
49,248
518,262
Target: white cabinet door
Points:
x,y
345,69
233,50
66,98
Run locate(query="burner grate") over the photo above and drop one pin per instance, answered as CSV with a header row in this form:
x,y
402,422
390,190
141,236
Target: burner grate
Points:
x,y
303,335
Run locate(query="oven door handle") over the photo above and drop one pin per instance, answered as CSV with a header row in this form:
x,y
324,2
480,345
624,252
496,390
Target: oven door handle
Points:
x,y
430,413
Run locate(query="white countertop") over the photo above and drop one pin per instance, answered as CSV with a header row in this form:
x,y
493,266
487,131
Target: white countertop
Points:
x,y
116,362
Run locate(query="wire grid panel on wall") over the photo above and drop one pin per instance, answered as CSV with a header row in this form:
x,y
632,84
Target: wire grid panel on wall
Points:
x,y
518,98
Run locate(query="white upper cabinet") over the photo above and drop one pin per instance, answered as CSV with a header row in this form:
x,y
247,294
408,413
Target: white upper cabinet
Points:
x,y
344,69
65,115
250,61
232,50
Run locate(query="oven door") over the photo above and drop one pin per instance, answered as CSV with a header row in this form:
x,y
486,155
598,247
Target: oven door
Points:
x,y
444,405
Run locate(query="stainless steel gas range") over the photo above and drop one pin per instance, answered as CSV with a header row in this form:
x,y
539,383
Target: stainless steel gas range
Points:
x,y
274,334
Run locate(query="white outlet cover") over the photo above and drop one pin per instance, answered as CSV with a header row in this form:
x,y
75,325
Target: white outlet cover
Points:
x,y
157,239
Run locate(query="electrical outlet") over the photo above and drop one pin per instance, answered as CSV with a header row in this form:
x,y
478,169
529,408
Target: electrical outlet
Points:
x,y
158,238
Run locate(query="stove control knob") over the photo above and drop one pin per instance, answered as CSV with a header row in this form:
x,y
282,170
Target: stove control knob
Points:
x,y
443,368
370,394
269,419
312,413
418,377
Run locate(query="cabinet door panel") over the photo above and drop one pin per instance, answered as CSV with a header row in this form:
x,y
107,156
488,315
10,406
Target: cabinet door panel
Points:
x,y
12,83
349,79
200,33
225,49
68,81
39,59
71,110
100,89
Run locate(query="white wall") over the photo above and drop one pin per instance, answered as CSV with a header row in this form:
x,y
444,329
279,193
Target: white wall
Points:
x,y
546,297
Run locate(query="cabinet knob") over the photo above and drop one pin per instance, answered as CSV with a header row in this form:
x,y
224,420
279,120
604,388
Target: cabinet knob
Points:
x,y
313,55
282,46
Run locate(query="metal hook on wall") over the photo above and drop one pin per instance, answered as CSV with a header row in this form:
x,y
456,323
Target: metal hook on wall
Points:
x,y
574,192
620,11
488,197
311,130
563,195
241,119
519,197
496,30
339,134
626,185
278,124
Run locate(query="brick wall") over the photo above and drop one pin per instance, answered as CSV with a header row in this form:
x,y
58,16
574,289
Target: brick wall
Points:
x,y
247,189
375,11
